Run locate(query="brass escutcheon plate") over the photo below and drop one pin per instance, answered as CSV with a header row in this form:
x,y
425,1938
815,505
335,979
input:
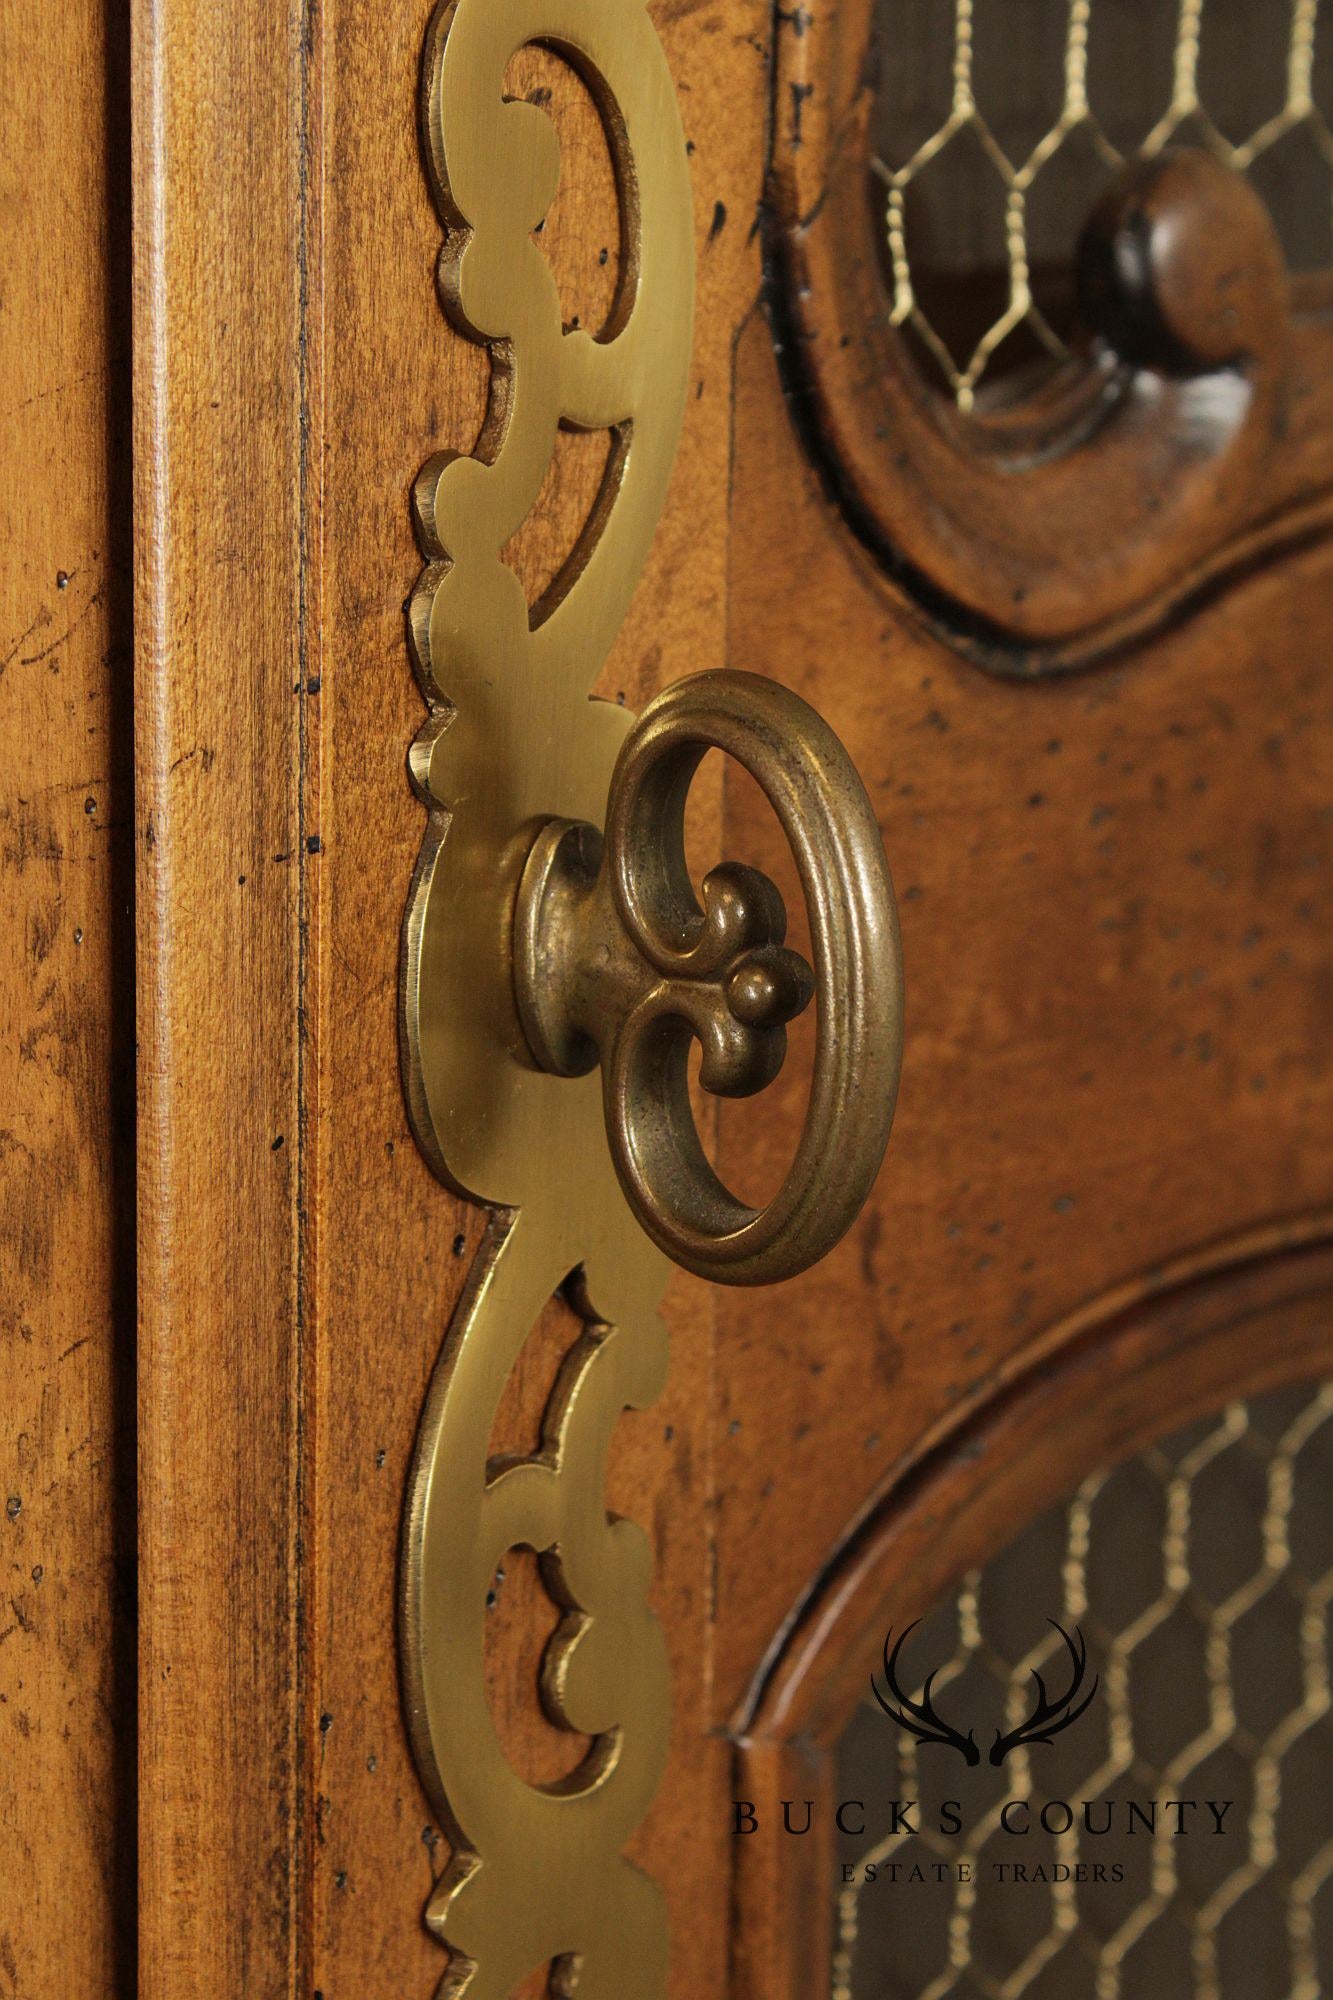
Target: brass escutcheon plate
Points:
x,y
537,1877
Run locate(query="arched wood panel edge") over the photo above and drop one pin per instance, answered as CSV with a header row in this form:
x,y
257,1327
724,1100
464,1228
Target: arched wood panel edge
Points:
x,y
1236,1321
1046,536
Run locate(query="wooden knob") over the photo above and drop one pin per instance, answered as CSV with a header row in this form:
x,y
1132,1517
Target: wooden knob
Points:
x,y
1179,269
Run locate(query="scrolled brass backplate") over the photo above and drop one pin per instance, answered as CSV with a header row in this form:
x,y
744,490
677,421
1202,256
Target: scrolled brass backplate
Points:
x,y
537,1876
552,932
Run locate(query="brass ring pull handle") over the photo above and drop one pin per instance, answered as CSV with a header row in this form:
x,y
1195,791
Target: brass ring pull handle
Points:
x,y
615,961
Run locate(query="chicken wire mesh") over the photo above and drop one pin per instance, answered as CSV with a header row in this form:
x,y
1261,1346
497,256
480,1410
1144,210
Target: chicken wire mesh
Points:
x,y
999,121
1200,1574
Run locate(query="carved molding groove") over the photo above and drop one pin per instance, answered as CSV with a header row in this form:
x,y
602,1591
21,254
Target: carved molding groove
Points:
x,y
537,1876
1239,1318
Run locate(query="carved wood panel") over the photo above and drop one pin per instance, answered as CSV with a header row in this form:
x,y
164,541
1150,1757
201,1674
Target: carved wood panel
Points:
x,y
1186,434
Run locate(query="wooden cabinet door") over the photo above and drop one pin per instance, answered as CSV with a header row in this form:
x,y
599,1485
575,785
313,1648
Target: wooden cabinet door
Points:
x,y
1070,619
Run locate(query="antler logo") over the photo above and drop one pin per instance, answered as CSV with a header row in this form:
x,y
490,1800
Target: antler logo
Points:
x,y
1047,1719
919,1718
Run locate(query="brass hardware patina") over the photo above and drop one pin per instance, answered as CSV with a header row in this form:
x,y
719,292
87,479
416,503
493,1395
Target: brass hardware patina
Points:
x,y
538,1882
615,960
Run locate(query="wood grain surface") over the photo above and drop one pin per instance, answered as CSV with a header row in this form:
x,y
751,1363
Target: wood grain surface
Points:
x,y
227,578
66,1015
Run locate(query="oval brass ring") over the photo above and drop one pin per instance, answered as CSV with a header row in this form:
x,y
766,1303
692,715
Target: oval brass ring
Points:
x,y
828,819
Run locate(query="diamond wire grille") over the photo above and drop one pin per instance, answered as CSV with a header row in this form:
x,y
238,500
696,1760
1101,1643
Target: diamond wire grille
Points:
x,y
999,119
1201,1575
